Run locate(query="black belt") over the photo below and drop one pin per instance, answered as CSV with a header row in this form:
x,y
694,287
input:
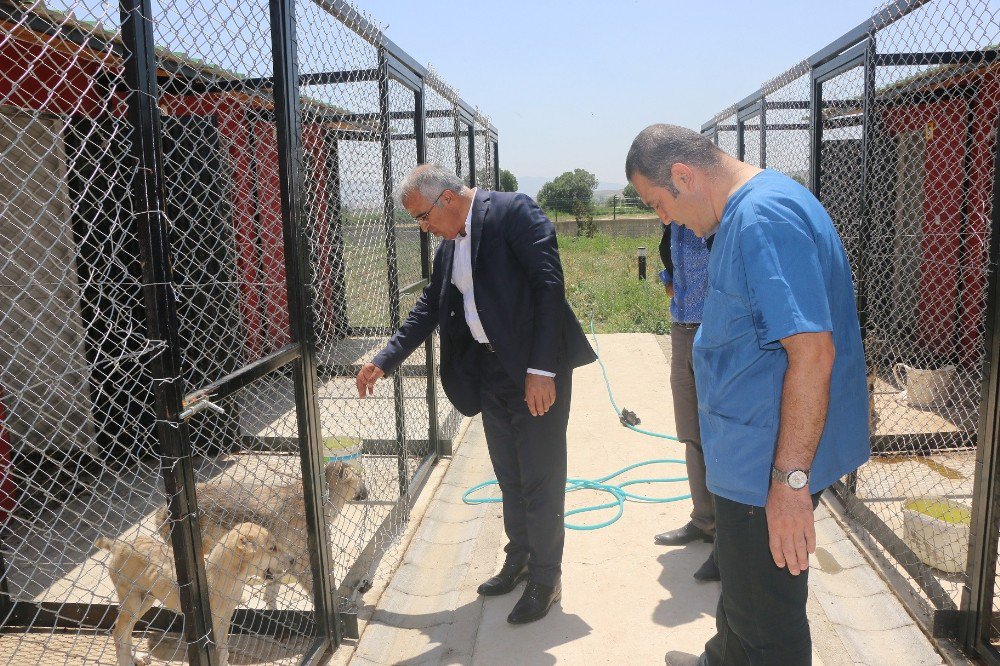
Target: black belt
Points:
x,y
488,347
689,327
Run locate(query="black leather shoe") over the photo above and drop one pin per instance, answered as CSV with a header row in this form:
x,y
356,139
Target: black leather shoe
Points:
x,y
535,603
708,571
682,535
511,573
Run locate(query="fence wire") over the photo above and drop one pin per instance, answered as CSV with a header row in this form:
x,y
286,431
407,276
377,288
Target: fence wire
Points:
x,y
903,160
97,470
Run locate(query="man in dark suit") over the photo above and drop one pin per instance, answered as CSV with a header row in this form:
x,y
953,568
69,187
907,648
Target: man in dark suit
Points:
x,y
509,343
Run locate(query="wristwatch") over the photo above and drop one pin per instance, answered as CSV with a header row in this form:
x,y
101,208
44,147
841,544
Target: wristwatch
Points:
x,y
796,479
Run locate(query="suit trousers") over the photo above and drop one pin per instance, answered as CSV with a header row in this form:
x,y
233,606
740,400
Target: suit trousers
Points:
x,y
685,396
529,459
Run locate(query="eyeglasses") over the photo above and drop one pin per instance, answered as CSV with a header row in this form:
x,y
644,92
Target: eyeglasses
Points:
x,y
423,216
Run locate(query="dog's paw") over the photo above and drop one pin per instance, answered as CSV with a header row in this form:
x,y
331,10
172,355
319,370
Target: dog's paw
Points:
x,y
142,659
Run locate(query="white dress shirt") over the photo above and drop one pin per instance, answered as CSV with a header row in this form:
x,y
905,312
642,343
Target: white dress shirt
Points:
x,y
461,277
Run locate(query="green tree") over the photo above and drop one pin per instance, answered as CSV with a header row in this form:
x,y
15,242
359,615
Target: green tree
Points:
x,y
631,196
567,190
508,183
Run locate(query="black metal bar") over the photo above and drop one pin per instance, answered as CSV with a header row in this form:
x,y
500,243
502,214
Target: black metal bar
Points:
x,y
869,128
740,140
398,71
844,62
248,374
942,58
763,133
473,180
981,579
297,270
804,105
31,616
892,13
815,133
420,115
392,262
456,124
788,126
867,160
496,163
150,225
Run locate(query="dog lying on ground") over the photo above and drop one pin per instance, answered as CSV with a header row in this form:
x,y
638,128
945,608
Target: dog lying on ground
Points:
x,y
142,571
281,509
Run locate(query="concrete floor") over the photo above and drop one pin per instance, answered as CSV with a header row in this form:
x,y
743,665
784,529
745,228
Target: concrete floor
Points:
x,y
625,600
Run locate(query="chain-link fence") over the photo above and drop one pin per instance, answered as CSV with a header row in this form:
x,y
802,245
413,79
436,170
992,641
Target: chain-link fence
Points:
x,y
894,127
198,250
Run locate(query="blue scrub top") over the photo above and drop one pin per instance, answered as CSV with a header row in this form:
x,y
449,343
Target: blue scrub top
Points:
x,y
777,268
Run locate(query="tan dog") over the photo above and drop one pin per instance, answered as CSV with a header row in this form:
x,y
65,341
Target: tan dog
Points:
x,y
142,571
281,509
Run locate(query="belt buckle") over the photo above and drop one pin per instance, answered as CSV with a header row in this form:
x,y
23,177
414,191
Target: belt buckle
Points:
x,y
489,347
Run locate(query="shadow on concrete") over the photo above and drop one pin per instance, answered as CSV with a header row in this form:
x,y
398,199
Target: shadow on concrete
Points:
x,y
495,642
687,599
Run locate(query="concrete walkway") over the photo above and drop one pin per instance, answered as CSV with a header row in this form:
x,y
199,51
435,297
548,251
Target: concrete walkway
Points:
x,y
625,600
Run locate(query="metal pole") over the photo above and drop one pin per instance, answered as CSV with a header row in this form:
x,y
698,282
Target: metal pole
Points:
x,y
287,115
472,155
977,596
441,448
496,162
868,128
816,133
458,144
763,132
169,388
389,211
740,139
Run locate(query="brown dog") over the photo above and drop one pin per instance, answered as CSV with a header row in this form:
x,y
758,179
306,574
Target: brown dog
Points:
x,y
281,509
142,571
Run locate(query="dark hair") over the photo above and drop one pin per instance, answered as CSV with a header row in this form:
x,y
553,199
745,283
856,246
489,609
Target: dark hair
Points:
x,y
659,147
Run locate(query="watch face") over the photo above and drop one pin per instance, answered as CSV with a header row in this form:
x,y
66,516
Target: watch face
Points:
x,y
797,479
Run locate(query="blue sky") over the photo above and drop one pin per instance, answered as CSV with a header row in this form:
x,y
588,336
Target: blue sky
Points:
x,y
568,84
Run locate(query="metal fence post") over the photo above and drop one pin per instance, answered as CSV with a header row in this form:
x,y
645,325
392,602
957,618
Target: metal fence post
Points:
x,y
147,199
472,154
290,159
977,597
496,162
389,211
441,448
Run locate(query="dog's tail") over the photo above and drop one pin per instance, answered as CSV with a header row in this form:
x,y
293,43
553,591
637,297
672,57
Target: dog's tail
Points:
x,y
105,543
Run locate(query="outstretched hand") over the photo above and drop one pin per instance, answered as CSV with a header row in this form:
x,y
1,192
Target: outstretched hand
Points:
x,y
367,376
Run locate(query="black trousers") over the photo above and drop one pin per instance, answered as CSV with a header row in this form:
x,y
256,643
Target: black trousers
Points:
x,y
529,460
761,619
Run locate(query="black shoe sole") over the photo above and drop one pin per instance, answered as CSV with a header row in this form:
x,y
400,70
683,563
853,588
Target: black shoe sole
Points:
x,y
500,591
535,618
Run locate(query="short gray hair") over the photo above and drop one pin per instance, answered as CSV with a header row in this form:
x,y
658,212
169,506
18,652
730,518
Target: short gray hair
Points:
x,y
429,180
659,147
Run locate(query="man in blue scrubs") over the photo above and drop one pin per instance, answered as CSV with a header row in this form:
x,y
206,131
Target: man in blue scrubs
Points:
x,y
780,372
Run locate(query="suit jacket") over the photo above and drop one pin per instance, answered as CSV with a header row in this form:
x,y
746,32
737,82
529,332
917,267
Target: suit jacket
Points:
x,y
520,297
